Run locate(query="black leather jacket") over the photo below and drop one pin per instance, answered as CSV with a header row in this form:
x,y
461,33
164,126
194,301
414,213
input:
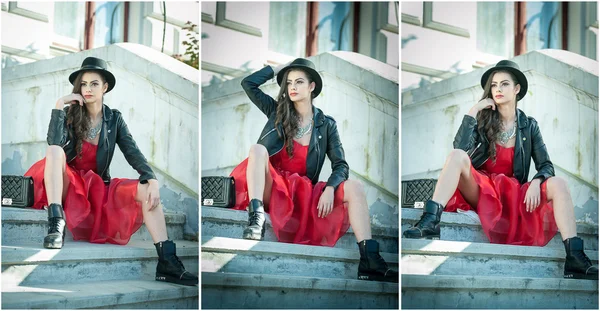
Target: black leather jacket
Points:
x,y
324,140
60,134
529,144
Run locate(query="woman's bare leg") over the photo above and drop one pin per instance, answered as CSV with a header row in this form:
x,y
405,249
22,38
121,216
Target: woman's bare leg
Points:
x,y
358,209
456,173
154,219
258,178
55,177
558,192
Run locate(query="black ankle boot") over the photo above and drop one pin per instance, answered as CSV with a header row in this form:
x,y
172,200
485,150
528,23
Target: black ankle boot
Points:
x,y
429,225
372,267
169,268
255,230
56,227
577,264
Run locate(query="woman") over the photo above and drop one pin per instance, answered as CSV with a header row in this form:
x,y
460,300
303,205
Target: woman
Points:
x,y
281,173
488,169
75,173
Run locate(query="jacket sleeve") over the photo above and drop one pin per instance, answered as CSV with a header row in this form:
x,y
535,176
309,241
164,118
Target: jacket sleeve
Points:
x,y
57,129
539,153
250,84
467,134
132,153
335,153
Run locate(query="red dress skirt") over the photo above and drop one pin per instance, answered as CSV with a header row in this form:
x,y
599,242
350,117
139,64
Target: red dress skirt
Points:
x,y
293,204
501,209
94,212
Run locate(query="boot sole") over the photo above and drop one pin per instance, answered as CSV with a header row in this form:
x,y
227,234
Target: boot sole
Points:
x,y
254,236
170,279
379,278
54,245
580,276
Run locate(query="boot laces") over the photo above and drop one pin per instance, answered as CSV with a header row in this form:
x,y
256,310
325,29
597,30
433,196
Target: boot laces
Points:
x,y
254,219
54,225
584,258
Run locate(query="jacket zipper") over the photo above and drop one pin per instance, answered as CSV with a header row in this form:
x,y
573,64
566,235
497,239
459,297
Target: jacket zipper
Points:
x,y
472,152
269,132
318,154
108,147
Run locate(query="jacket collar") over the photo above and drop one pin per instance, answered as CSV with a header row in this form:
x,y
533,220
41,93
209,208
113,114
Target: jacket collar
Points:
x,y
522,120
107,113
319,117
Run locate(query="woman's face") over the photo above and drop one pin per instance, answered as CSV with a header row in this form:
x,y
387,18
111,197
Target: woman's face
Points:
x,y
503,89
92,87
298,88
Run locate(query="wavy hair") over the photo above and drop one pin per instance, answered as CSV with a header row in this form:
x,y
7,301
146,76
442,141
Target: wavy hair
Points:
x,y
287,114
488,120
77,116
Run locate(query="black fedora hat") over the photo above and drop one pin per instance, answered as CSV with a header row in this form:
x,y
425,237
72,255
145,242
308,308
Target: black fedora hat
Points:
x,y
309,67
512,67
93,63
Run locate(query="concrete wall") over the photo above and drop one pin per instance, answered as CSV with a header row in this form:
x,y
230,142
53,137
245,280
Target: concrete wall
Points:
x,y
562,97
360,93
157,95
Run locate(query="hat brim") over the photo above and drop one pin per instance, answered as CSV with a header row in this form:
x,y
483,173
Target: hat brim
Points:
x,y
316,77
521,79
110,78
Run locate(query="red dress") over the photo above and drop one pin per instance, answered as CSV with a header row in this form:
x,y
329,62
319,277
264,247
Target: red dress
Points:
x,y
293,204
94,212
501,209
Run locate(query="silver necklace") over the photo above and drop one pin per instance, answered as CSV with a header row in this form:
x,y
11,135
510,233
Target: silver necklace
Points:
x,y
303,130
93,132
508,135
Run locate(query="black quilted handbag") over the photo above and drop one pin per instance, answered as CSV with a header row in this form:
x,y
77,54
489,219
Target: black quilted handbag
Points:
x,y
218,191
417,191
17,191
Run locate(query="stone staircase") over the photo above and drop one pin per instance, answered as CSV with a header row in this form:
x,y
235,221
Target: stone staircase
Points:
x,y
238,273
85,275
463,270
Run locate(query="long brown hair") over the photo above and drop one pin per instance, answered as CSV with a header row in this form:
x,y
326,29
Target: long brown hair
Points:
x,y
287,114
77,115
488,120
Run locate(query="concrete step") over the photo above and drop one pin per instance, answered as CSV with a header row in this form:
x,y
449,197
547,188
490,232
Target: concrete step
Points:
x,y
124,294
27,225
496,292
230,223
429,257
77,262
221,254
460,227
256,291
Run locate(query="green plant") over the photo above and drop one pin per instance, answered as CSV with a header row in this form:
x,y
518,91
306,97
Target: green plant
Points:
x,y
192,50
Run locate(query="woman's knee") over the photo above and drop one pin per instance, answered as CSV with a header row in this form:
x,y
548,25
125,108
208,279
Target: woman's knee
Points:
x,y
258,151
557,185
142,193
459,157
55,152
354,187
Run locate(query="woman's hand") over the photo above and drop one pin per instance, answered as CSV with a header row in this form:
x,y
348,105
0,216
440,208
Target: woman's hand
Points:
x,y
278,68
325,206
70,99
153,194
485,103
532,197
